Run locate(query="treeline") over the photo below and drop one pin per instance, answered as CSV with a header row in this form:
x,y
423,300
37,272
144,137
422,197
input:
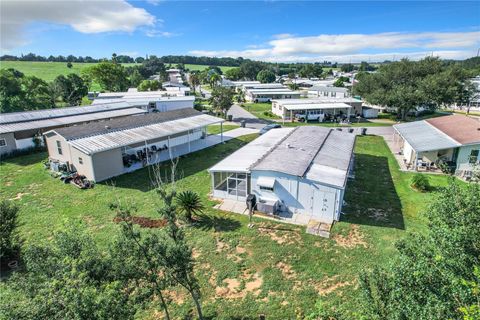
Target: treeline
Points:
x,y
19,92
282,68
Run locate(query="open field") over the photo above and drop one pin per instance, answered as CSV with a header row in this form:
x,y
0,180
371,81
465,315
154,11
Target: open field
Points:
x,y
274,268
48,71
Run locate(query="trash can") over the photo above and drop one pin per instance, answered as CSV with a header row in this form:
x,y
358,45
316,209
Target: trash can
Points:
x,y
364,131
230,117
350,130
242,123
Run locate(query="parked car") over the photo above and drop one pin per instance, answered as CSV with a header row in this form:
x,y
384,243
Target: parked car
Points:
x,y
269,127
311,115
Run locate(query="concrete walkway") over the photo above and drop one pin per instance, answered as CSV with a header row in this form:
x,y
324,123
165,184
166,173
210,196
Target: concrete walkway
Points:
x,y
196,145
251,121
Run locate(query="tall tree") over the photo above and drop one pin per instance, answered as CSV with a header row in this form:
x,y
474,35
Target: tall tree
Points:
x,y
221,99
266,76
194,81
111,76
71,88
234,74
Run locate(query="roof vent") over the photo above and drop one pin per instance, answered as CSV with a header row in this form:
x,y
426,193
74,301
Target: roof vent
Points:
x,y
107,127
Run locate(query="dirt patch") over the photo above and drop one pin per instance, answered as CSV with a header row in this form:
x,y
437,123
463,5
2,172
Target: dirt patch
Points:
x,y
176,296
195,253
145,222
253,284
286,269
19,196
8,183
240,250
280,236
221,246
353,239
329,285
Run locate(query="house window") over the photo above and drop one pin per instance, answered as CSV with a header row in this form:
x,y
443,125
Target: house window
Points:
x,y
474,156
266,188
80,160
59,147
3,143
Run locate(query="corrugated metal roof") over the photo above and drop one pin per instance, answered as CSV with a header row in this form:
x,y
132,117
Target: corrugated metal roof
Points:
x,y
98,128
117,139
422,136
49,123
59,112
328,89
310,106
295,154
284,102
243,159
332,162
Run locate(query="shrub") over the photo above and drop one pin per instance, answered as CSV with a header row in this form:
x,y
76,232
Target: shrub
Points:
x,y
8,224
420,182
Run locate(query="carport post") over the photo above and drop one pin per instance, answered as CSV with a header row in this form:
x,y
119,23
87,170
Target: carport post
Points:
x,y
291,116
189,147
221,131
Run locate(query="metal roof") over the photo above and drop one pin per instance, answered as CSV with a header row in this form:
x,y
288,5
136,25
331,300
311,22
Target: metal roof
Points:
x,y
142,99
310,106
332,162
58,122
285,102
317,153
328,89
98,128
294,155
246,157
422,136
271,91
59,112
112,140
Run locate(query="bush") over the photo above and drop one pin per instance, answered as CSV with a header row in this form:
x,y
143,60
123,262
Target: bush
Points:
x,y
420,182
8,224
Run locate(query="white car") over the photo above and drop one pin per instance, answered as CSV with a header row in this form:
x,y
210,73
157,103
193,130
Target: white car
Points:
x,y
311,115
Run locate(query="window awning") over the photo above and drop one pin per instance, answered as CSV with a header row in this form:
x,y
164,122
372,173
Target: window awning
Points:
x,y
266,182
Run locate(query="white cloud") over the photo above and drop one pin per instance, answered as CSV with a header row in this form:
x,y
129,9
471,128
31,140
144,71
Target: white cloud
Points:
x,y
282,36
82,16
353,47
160,34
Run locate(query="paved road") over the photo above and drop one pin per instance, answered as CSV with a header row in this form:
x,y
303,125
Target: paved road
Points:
x,y
251,121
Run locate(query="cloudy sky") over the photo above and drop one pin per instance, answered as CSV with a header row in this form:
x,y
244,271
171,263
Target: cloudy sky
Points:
x,y
263,30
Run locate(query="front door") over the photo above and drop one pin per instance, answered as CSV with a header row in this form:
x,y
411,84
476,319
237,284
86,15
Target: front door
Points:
x,y
323,205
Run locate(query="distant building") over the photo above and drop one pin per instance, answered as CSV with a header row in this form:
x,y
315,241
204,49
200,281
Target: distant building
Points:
x,y
150,101
328,92
287,109
19,129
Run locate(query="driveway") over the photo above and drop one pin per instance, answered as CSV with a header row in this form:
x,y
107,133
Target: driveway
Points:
x,y
251,121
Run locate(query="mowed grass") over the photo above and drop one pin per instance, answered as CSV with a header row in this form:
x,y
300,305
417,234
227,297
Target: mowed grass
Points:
x,y
274,269
48,71
216,128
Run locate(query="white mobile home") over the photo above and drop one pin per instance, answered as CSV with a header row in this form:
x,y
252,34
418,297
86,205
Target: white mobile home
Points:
x,y
328,92
152,102
267,95
331,107
293,171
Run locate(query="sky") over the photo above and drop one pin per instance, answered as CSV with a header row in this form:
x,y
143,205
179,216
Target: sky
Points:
x,y
275,31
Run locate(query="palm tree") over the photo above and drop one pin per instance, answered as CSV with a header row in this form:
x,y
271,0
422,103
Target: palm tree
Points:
x,y
214,79
189,203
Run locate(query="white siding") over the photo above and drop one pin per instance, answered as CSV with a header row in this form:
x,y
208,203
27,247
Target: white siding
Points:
x,y
464,154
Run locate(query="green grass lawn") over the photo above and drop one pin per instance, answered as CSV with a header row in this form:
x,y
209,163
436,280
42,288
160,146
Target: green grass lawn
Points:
x,y
275,269
215,128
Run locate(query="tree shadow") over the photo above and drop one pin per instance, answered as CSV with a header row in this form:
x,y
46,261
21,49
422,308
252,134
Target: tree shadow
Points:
x,y
189,164
207,222
371,198
24,160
